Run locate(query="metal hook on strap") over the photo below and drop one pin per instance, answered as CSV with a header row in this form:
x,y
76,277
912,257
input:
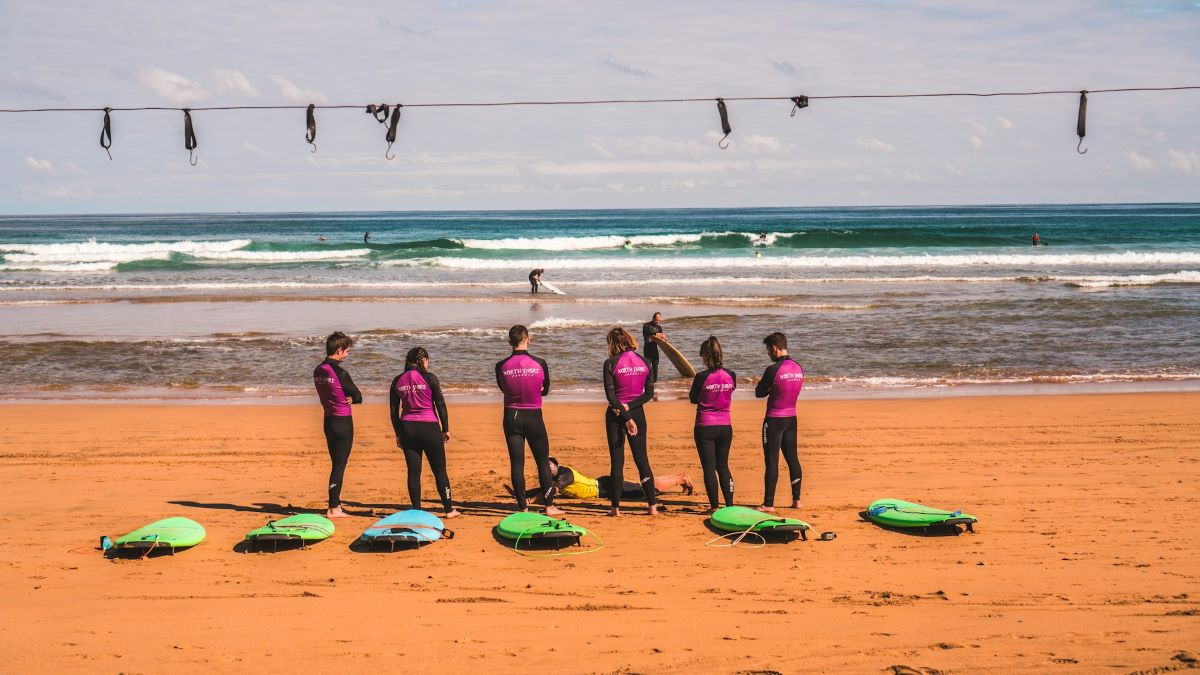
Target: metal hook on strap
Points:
x,y
798,103
1081,122
391,132
310,136
106,133
723,143
189,137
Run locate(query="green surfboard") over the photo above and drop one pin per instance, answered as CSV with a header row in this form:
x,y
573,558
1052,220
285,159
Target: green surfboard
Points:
x,y
899,513
741,518
525,526
303,527
169,533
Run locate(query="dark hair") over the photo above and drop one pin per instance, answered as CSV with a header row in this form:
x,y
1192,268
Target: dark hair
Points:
x,y
414,358
619,341
710,353
336,341
777,340
517,334
654,315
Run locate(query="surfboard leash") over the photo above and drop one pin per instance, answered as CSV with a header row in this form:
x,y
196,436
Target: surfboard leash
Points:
x,y
555,554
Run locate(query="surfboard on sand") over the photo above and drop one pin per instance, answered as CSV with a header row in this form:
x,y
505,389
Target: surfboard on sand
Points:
x,y
406,527
303,527
677,359
899,513
169,533
530,527
742,519
553,289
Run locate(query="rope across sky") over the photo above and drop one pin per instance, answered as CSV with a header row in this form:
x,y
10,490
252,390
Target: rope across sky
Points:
x,y
389,114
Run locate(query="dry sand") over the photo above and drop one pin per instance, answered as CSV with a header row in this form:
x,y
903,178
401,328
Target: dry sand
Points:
x,y
1085,558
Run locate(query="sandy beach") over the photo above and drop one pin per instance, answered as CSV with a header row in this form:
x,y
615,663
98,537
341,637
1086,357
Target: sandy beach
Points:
x,y
1083,560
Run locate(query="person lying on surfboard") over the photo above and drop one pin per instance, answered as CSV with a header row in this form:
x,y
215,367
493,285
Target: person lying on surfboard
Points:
x,y
568,482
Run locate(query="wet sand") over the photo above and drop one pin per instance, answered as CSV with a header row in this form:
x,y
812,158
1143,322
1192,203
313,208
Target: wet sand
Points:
x,y
1084,559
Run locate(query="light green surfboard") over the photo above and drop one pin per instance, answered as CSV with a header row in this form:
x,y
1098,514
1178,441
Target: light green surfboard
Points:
x,y
525,526
303,527
899,513
741,518
170,533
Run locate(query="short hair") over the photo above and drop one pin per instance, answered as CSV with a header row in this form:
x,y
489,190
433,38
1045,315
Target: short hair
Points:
x,y
620,341
336,341
777,340
710,352
655,315
517,334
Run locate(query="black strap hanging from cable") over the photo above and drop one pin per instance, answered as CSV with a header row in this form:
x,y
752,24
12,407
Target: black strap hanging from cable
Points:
x,y
310,136
391,132
379,112
799,102
723,143
189,137
106,133
1081,122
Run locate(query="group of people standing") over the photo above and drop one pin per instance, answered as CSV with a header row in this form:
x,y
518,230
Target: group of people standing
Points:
x,y
422,426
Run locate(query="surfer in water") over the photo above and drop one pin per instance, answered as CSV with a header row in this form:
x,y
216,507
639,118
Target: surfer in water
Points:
x,y
535,279
628,386
321,238
366,237
569,482
337,392
1037,241
525,379
712,392
650,346
418,412
780,385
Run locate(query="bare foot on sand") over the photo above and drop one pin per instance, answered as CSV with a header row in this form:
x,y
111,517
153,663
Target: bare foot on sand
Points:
x,y
688,487
614,513
765,509
654,509
554,511
336,512
452,513
797,505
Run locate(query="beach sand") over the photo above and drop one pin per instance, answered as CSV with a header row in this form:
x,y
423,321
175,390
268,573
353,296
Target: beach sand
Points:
x,y
1084,559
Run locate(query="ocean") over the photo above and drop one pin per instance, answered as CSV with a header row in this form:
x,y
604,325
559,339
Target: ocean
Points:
x,y
875,301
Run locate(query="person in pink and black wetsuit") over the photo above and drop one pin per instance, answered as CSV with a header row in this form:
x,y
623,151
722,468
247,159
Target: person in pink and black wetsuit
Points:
x,y
712,392
336,391
419,418
525,379
628,385
780,385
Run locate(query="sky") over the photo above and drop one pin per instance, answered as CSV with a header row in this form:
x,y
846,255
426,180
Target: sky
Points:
x,y
1142,147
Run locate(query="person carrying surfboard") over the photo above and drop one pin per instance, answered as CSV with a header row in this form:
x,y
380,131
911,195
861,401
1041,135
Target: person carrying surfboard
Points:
x,y
628,386
650,329
422,426
712,392
337,392
569,482
535,279
780,385
525,379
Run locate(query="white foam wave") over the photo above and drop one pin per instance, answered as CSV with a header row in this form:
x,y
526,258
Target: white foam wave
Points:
x,y
1184,277
283,256
1129,258
59,267
554,323
579,243
94,252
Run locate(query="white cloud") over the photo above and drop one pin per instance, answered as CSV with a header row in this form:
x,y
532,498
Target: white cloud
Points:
x,y
763,144
1187,161
1004,122
39,165
1139,162
1150,134
232,82
978,127
876,144
258,150
294,93
172,86
976,142
951,168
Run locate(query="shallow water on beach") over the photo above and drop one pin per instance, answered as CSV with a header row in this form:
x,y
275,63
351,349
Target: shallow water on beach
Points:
x,y
873,299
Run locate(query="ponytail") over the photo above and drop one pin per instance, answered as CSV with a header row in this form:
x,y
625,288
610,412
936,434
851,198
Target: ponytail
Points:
x,y
710,353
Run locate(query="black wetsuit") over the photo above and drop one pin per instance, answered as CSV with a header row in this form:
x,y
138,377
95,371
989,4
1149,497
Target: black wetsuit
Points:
x,y
419,418
534,281
525,379
334,386
712,392
627,382
604,483
780,385
650,347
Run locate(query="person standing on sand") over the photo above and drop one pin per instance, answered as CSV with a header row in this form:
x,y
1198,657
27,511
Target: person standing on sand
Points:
x,y
525,379
535,279
336,392
780,385
628,386
649,345
712,392
419,418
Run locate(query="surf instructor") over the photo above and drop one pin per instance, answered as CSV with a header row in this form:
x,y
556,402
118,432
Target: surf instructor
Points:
x,y
650,329
780,385
337,392
525,379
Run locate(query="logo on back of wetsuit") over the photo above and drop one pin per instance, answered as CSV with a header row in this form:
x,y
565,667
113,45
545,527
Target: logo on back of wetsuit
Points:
x,y
719,387
410,388
317,379
521,372
631,370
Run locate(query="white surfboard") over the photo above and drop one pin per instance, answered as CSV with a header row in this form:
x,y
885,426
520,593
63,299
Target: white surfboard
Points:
x,y
552,288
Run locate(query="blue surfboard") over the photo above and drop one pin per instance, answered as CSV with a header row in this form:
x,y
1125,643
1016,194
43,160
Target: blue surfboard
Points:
x,y
406,527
